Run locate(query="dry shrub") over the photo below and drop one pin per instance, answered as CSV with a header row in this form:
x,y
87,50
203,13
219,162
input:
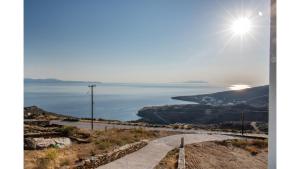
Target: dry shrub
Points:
x,y
48,161
253,150
51,154
67,130
240,143
260,143
65,162
142,133
252,146
103,145
223,142
43,163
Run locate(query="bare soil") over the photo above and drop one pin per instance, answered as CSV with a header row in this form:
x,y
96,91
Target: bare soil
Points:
x,y
226,155
229,154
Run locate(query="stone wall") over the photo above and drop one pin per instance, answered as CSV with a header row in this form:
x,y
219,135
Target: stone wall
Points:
x,y
101,159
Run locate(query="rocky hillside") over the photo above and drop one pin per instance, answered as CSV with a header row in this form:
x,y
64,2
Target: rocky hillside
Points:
x,y
202,114
213,108
256,96
34,112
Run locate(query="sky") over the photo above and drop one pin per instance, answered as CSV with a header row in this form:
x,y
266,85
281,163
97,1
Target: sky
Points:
x,y
146,41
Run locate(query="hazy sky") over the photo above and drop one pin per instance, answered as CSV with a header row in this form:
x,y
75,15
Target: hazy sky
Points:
x,y
146,41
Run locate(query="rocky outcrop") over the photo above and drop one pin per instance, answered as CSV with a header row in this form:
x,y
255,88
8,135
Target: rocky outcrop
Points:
x,y
42,123
202,114
105,158
41,143
34,112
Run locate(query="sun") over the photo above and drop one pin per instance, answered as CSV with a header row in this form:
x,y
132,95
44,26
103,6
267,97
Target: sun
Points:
x,y
241,26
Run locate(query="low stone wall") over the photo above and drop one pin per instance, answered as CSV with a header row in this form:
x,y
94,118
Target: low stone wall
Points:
x,y
101,159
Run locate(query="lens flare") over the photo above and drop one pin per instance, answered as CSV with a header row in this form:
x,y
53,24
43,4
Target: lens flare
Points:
x,y
241,26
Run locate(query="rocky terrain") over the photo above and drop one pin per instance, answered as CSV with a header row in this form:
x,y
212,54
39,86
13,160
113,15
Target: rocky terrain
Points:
x,y
202,114
34,112
222,110
49,145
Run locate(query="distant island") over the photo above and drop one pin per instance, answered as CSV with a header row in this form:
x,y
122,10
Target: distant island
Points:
x,y
52,80
195,81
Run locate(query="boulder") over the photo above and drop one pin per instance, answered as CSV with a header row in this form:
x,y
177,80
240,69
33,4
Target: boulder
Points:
x,y
41,143
62,142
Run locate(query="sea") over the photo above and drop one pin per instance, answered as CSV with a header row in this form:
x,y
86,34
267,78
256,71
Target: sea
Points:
x,y
114,101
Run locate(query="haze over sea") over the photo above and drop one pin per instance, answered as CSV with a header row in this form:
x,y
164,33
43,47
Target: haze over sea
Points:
x,y
117,101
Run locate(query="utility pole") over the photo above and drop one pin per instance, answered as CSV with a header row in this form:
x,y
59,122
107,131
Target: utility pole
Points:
x,y
242,119
92,105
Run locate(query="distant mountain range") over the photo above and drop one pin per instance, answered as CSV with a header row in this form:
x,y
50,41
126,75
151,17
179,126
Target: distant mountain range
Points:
x,y
213,108
30,80
195,81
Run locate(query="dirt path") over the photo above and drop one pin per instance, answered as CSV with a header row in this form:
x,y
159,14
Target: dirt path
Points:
x,y
149,156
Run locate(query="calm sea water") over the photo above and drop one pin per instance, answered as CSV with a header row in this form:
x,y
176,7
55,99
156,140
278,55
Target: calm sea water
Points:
x,y
119,101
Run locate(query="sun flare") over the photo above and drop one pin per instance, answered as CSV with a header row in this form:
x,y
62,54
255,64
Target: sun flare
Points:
x,y
239,87
241,26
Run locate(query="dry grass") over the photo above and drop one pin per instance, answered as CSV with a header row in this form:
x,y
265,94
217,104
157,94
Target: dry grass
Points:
x,y
226,155
252,146
101,142
48,159
169,161
105,140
